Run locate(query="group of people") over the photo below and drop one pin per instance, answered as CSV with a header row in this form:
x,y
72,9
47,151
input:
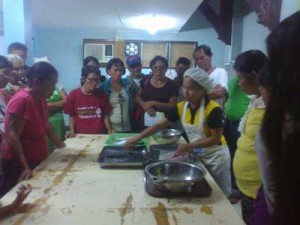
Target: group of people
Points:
x,y
244,132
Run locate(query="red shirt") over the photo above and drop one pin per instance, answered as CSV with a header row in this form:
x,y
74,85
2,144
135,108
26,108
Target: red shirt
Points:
x,y
88,111
33,136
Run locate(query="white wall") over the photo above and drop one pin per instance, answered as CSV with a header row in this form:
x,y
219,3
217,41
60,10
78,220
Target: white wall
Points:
x,y
289,7
254,34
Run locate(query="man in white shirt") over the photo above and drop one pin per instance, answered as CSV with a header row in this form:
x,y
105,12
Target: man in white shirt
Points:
x,y
218,76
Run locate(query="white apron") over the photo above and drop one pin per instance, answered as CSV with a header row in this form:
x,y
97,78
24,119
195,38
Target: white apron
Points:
x,y
215,158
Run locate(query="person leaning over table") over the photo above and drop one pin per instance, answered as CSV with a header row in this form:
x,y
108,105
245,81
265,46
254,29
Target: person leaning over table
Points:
x,y
201,119
26,126
88,107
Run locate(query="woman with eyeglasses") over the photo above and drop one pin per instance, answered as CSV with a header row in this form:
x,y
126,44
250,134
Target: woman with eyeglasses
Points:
x,y
157,93
15,77
88,107
121,92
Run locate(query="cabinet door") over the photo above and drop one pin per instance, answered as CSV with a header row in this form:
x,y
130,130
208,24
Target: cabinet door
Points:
x,y
151,49
181,50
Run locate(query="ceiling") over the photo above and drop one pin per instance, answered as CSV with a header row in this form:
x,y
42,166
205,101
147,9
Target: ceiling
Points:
x,y
107,14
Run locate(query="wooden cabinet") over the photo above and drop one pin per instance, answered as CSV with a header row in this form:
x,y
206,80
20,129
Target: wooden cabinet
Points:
x,y
171,50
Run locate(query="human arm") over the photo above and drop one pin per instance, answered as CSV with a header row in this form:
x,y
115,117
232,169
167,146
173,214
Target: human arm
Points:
x,y
138,99
54,107
215,126
220,81
53,136
108,124
165,105
71,133
163,123
22,194
15,127
147,106
214,139
218,92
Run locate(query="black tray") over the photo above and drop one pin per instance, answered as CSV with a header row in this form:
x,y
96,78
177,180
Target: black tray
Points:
x,y
116,156
199,189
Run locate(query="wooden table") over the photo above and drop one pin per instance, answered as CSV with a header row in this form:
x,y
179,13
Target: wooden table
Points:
x,y
71,188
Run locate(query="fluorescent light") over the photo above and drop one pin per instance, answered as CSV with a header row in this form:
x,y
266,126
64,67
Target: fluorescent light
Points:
x,y
152,23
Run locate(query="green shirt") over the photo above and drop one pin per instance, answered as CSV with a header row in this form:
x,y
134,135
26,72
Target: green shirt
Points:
x,y
238,101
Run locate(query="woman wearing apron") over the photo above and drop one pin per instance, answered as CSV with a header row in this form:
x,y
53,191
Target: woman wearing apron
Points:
x,y
201,119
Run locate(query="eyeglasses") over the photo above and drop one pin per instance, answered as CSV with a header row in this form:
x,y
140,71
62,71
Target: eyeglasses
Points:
x,y
94,80
158,69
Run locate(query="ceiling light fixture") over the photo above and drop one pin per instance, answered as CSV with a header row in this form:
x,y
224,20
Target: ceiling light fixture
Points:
x,y
152,23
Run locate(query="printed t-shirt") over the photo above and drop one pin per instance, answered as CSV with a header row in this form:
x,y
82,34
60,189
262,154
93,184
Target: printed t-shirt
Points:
x,y
88,111
33,136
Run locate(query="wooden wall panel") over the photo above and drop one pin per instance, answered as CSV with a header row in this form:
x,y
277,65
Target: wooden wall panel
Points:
x,y
119,51
181,50
151,49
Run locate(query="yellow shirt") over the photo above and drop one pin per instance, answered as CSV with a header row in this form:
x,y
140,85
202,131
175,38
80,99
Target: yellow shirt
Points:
x,y
208,108
245,163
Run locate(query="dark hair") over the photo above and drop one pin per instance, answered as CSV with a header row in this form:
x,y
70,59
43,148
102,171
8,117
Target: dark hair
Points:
x,y
86,70
206,49
281,123
264,78
250,61
17,46
116,62
184,61
41,71
4,63
159,58
89,59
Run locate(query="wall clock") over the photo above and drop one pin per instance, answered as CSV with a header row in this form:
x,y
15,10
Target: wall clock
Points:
x,y
132,48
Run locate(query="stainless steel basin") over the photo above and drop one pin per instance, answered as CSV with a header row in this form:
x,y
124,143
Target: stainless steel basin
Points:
x,y
174,176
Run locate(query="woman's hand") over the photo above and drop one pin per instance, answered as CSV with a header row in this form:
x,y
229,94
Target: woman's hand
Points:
x,y
151,112
70,134
130,143
22,194
26,174
148,104
182,149
61,145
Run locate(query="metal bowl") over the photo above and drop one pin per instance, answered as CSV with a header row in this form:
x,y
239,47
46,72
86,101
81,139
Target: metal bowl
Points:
x,y
174,176
167,136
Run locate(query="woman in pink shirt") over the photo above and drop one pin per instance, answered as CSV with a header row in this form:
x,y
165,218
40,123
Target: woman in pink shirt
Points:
x,y
26,124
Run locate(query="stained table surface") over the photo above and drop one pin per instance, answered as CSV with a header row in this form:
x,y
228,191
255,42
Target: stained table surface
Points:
x,y
71,188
